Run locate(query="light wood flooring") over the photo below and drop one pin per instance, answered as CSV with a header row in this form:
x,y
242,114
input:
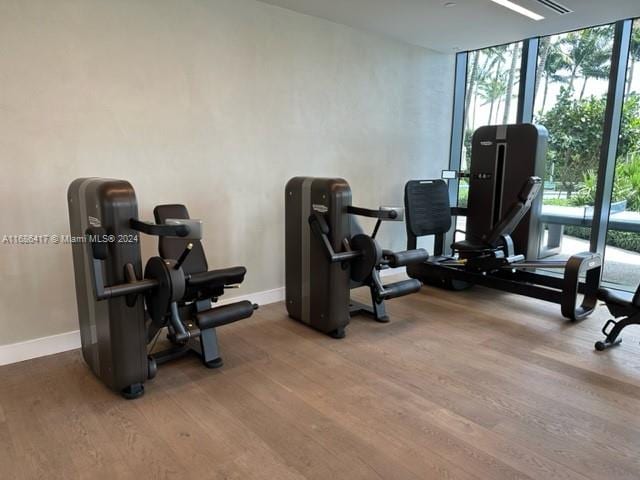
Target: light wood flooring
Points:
x,y
460,385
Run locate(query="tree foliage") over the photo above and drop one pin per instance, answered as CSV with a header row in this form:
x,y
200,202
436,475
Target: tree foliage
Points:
x,y
575,135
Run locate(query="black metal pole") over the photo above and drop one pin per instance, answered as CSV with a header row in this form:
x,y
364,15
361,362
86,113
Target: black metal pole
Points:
x,y
527,87
457,130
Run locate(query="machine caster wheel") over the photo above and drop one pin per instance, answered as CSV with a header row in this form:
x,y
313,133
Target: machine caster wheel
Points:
x,y
133,391
337,333
152,368
215,363
602,346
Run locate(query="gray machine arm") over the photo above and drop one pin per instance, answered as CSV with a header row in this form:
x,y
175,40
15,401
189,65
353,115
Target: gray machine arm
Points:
x,y
320,227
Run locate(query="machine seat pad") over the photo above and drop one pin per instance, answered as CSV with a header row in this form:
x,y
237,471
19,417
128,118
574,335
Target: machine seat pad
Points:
x,y
614,297
406,257
219,316
218,278
472,245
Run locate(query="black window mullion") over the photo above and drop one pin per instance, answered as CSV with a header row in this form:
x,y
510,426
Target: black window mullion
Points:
x,y
457,133
527,88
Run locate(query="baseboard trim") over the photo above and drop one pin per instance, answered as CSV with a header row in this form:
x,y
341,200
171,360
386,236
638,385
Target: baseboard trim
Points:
x,y
62,342
39,347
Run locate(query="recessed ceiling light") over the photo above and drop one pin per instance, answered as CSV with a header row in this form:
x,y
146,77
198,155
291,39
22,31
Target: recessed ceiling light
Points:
x,y
517,8
450,4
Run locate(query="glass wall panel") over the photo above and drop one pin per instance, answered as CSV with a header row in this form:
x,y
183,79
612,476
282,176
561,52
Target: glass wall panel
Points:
x,y
493,78
622,253
570,99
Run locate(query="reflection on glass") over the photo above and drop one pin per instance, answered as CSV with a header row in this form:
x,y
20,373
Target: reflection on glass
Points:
x,y
571,94
622,254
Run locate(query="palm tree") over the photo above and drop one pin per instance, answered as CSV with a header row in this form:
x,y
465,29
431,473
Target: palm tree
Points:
x,y
634,53
471,83
595,69
492,58
583,46
555,62
492,90
511,80
543,49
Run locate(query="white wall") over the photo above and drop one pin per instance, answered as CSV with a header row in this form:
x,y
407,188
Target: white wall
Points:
x,y
215,104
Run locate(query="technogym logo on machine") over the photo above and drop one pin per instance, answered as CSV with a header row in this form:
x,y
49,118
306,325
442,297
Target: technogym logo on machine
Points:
x,y
320,208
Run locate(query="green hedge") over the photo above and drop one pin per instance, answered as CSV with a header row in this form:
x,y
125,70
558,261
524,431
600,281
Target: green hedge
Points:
x,y
625,240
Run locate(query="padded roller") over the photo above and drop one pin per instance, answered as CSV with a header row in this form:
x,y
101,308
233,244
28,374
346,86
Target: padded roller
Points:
x,y
400,289
218,316
407,257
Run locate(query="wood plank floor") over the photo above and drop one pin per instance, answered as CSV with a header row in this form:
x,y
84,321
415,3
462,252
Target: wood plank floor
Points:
x,y
460,385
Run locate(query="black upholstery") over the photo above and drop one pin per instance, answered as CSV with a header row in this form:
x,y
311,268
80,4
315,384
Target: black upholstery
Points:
x,y
202,282
621,300
405,257
427,207
219,278
506,226
625,309
172,247
224,315
472,245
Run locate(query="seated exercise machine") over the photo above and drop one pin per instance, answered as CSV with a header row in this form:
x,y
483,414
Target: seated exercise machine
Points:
x,y
122,310
625,308
502,232
327,254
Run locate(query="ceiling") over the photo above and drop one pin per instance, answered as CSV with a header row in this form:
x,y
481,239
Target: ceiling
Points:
x,y
467,25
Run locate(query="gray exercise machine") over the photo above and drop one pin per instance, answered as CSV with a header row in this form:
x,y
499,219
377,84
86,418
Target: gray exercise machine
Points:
x,y
121,308
328,254
503,230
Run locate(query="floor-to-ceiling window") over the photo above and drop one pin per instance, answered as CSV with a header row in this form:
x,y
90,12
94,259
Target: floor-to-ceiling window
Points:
x,y
571,86
491,97
622,253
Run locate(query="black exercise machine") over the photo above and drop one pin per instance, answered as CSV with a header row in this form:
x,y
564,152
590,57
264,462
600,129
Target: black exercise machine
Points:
x,y
327,254
122,310
503,232
625,308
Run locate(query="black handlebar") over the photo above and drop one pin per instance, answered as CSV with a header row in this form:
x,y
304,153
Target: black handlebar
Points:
x,y
368,212
160,230
319,226
183,257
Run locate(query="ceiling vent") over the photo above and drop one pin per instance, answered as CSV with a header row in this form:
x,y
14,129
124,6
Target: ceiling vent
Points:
x,y
555,6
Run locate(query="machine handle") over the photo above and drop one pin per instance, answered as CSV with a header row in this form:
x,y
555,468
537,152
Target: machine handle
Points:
x,y
381,213
183,256
320,227
160,230
132,287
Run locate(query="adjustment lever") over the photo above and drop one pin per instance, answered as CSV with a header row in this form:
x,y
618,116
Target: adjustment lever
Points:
x,y
183,256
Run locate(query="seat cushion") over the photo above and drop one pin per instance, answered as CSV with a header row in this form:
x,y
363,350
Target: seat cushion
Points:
x,y
623,299
218,278
471,245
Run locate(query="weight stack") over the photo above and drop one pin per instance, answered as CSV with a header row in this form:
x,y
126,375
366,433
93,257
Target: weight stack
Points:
x,y
317,291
